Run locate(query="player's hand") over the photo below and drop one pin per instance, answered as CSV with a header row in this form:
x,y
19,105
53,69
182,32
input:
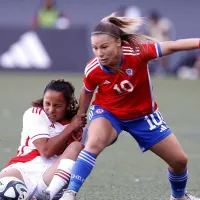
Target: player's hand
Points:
x,y
77,135
78,122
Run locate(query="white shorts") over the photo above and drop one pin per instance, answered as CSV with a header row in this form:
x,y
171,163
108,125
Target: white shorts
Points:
x,y
32,171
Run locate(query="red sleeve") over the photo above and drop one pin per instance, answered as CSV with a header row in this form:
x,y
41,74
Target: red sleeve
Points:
x,y
89,83
150,51
91,78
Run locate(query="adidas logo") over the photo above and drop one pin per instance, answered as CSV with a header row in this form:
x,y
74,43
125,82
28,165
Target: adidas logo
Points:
x,y
52,125
28,52
163,128
106,82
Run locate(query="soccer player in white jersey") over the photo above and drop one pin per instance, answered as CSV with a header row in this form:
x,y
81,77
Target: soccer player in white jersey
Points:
x,y
50,141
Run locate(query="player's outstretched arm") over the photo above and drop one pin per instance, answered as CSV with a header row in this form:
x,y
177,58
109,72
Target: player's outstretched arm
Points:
x,y
170,47
84,101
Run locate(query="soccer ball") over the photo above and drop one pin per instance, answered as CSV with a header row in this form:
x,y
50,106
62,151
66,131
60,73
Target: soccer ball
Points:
x,y
12,188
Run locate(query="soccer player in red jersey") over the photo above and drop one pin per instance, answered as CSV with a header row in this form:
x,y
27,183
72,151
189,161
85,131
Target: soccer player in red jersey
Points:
x,y
124,101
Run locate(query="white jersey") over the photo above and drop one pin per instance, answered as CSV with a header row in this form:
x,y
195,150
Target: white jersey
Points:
x,y
36,125
28,160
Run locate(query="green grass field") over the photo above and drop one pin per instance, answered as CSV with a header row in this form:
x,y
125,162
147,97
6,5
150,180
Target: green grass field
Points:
x,y
122,171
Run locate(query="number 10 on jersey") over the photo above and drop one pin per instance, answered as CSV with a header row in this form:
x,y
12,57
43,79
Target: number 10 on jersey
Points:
x,y
125,85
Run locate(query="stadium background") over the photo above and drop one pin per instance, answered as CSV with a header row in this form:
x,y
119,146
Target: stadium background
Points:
x,y
122,171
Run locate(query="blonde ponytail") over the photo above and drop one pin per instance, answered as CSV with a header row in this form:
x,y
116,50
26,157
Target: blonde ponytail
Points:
x,y
128,25
129,28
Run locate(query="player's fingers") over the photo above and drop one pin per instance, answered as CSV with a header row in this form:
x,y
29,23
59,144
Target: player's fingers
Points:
x,y
83,124
82,115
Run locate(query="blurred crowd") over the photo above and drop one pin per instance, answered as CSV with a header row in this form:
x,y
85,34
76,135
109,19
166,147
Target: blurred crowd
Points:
x,y
50,16
158,26
162,29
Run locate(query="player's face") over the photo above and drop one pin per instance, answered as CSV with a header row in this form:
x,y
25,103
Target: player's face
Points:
x,y
106,48
54,105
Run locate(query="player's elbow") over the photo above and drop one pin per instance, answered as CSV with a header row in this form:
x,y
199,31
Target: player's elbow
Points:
x,y
46,152
47,155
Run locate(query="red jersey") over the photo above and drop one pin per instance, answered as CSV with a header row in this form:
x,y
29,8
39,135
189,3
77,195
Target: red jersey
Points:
x,y
128,93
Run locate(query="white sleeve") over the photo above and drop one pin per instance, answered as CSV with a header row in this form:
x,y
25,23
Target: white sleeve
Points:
x,y
35,124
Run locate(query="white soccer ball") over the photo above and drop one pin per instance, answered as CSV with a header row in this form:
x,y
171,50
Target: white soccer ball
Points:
x,y
12,188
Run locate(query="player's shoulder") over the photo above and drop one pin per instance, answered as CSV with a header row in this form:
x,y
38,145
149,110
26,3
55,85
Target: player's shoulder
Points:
x,y
93,61
140,50
91,66
34,112
128,50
